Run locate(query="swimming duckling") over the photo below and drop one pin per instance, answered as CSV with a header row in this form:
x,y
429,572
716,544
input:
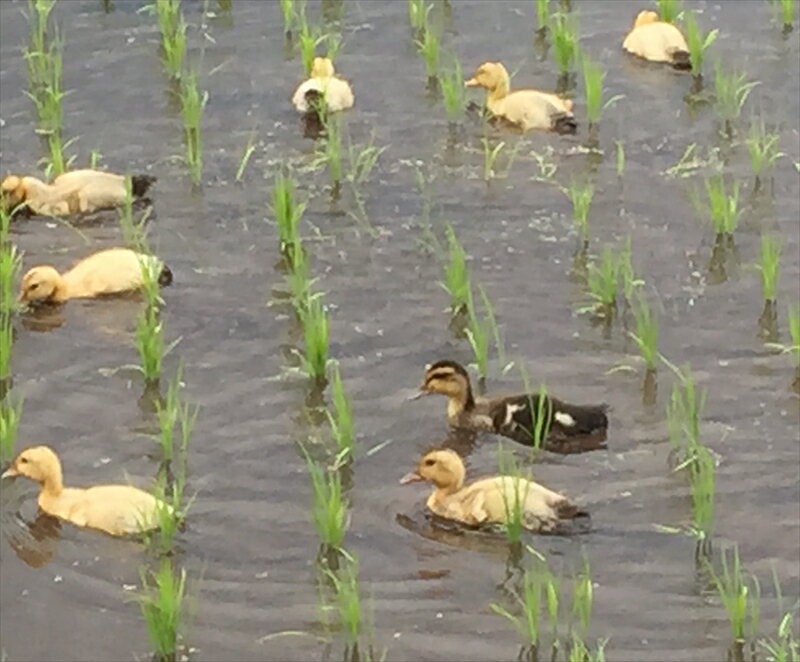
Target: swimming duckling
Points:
x,y
111,271
77,191
657,41
526,109
115,509
488,500
513,416
336,91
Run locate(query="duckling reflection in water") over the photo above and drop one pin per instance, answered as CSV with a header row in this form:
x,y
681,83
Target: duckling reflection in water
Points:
x,y
115,509
489,500
111,271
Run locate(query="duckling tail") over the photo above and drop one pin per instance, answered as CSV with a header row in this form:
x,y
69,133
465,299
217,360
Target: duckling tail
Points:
x,y
565,124
165,277
681,61
140,184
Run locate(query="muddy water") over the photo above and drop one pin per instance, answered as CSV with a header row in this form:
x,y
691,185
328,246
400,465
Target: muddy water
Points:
x,y
249,538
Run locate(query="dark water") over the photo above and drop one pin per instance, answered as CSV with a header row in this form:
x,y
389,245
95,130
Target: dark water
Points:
x,y
249,537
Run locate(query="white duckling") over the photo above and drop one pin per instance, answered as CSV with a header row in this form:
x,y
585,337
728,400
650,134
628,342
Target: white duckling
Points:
x,y
72,192
527,108
116,509
489,500
336,91
110,271
657,41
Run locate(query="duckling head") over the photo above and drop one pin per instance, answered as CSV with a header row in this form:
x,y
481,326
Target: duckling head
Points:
x,y
446,378
39,463
645,17
12,191
322,67
441,466
490,75
39,285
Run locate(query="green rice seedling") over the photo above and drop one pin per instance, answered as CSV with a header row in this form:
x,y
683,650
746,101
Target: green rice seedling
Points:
x,y
646,334
329,153
593,78
348,606
162,603
740,597
702,482
454,98
167,413
730,93
669,10
37,54
785,648
566,47
308,38
416,15
193,102
514,524
722,207
289,17
479,332
300,280
329,505
48,93
684,411
249,148
287,211
583,597
341,419
769,264
529,602
150,343
10,416
542,16
161,540
6,343
785,14
456,274
603,280
552,595
580,652
490,154
762,147
429,46
10,265
314,319
580,196
619,151
361,161
627,276
698,43
172,26
133,232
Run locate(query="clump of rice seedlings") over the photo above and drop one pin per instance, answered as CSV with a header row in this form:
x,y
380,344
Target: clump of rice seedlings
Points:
x,y
784,648
347,593
646,338
627,276
308,38
542,16
10,264
542,406
684,411
300,280
583,598
428,46
580,195
490,154
513,524
619,151
172,26
740,597
287,211
249,148
552,594
480,332
38,53
580,652
150,328
162,603
361,161
785,10
289,17
566,48
456,274
593,77
730,93
314,319
340,417
669,10
329,506
329,153
193,102
698,43
762,147
454,98
603,278
529,603
768,268
10,416
416,15
722,206
702,483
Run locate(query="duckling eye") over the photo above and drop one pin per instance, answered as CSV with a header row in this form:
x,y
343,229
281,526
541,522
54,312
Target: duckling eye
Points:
x,y
430,463
34,286
23,460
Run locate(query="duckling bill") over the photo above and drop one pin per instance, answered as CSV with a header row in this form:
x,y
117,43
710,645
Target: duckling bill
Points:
x,y
489,500
515,416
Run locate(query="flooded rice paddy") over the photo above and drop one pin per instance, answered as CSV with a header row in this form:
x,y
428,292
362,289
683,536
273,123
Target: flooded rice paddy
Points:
x,y
249,545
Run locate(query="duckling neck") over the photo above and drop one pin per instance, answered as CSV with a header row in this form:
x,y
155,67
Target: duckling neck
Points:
x,y
52,486
62,290
459,404
444,490
499,91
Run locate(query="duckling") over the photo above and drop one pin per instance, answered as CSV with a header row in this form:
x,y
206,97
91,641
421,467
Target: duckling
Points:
x,y
111,271
513,416
526,109
657,41
116,509
77,191
337,92
488,500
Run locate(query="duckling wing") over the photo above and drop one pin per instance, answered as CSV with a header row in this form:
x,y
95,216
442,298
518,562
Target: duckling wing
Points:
x,y
339,95
116,509
84,176
657,42
109,272
531,109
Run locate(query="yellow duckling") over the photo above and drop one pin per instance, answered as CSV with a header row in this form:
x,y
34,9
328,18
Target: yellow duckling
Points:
x,y
116,509
336,91
527,109
111,271
656,40
77,191
489,500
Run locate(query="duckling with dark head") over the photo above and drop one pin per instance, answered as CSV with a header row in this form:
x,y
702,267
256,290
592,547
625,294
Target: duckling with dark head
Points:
x,y
515,416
